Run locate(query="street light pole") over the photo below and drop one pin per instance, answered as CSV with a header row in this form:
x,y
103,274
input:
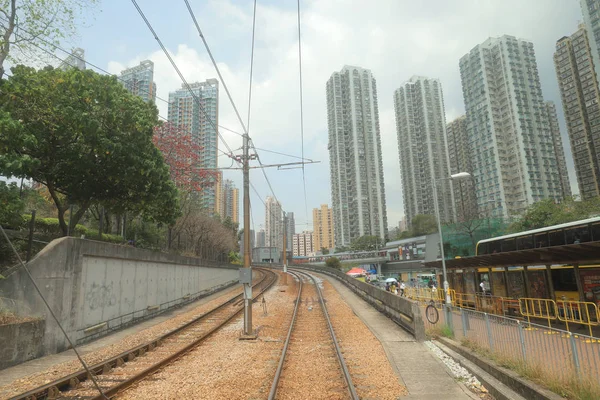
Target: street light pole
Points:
x,y
439,224
459,176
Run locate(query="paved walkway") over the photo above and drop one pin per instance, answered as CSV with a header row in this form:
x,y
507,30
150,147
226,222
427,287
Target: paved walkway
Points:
x,y
10,374
423,374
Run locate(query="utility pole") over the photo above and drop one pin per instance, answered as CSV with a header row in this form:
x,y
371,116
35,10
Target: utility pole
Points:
x,y
246,271
284,243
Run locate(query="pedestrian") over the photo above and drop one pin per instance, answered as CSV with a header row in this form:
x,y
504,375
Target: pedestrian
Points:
x,y
395,289
402,288
387,286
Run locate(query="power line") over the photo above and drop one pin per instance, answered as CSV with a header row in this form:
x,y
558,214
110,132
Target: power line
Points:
x,y
164,49
301,110
187,3
251,66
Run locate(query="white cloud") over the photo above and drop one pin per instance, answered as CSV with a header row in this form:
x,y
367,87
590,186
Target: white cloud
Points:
x,y
395,39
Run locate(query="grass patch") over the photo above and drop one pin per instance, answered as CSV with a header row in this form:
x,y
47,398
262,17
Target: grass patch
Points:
x,y
8,317
440,331
573,387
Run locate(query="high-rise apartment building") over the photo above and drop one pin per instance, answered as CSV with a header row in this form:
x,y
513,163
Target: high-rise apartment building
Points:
x,y
356,168
229,200
302,244
514,161
581,104
197,113
323,231
273,224
459,154
561,162
75,60
139,80
421,130
261,238
591,18
290,229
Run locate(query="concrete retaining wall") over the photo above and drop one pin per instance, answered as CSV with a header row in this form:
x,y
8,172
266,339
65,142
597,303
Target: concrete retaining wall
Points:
x,y
401,310
88,282
20,342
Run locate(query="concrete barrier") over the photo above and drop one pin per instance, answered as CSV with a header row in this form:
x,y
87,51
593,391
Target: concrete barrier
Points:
x,y
20,342
401,310
88,282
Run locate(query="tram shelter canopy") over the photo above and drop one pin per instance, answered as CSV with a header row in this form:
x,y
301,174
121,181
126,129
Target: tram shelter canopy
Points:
x,y
584,253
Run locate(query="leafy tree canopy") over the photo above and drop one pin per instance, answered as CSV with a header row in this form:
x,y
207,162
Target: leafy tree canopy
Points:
x,y
87,139
366,243
333,262
11,206
423,224
26,25
324,251
547,212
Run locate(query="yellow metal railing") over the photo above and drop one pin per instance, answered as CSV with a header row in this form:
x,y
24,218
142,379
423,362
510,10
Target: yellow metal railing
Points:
x,y
578,312
538,308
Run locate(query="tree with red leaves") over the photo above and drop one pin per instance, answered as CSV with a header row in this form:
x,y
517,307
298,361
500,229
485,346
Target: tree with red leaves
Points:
x,y
182,156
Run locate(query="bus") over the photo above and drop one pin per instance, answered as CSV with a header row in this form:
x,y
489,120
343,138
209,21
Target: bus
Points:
x,y
586,230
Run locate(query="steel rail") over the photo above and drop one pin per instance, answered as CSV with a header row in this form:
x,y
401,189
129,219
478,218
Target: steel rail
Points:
x,y
340,357
275,383
54,389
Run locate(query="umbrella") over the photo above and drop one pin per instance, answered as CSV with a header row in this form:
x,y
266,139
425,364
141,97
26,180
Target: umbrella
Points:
x,y
388,280
356,271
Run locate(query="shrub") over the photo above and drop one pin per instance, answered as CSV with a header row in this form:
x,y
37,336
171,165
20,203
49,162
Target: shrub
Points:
x,y
333,262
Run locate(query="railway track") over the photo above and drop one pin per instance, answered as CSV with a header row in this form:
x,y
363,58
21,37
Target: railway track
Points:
x,y
311,348
122,371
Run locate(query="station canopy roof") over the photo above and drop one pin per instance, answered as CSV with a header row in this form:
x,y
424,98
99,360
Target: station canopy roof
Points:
x,y
584,253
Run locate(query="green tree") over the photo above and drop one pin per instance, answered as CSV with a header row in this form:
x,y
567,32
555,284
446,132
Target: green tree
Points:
x,y
342,249
88,140
11,206
26,25
366,243
423,224
333,262
324,251
547,212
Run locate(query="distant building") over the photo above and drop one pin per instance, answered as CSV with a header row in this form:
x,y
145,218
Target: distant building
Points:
x,y
323,235
591,18
356,167
558,149
197,114
229,199
261,240
403,224
303,244
421,130
139,80
290,229
273,224
461,160
265,255
573,60
514,161
75,60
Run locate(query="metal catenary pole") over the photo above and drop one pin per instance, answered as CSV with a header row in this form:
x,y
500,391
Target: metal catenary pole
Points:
x,y
284,243
247,250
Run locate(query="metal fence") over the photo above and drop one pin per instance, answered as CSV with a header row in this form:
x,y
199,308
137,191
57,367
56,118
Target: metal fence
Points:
x,y
558,354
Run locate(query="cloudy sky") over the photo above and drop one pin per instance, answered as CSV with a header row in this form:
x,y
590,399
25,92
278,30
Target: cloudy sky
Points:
x,y
394,38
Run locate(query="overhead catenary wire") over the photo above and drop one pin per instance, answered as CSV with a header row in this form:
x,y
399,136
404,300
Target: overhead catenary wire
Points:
x,y
301,109
186,84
